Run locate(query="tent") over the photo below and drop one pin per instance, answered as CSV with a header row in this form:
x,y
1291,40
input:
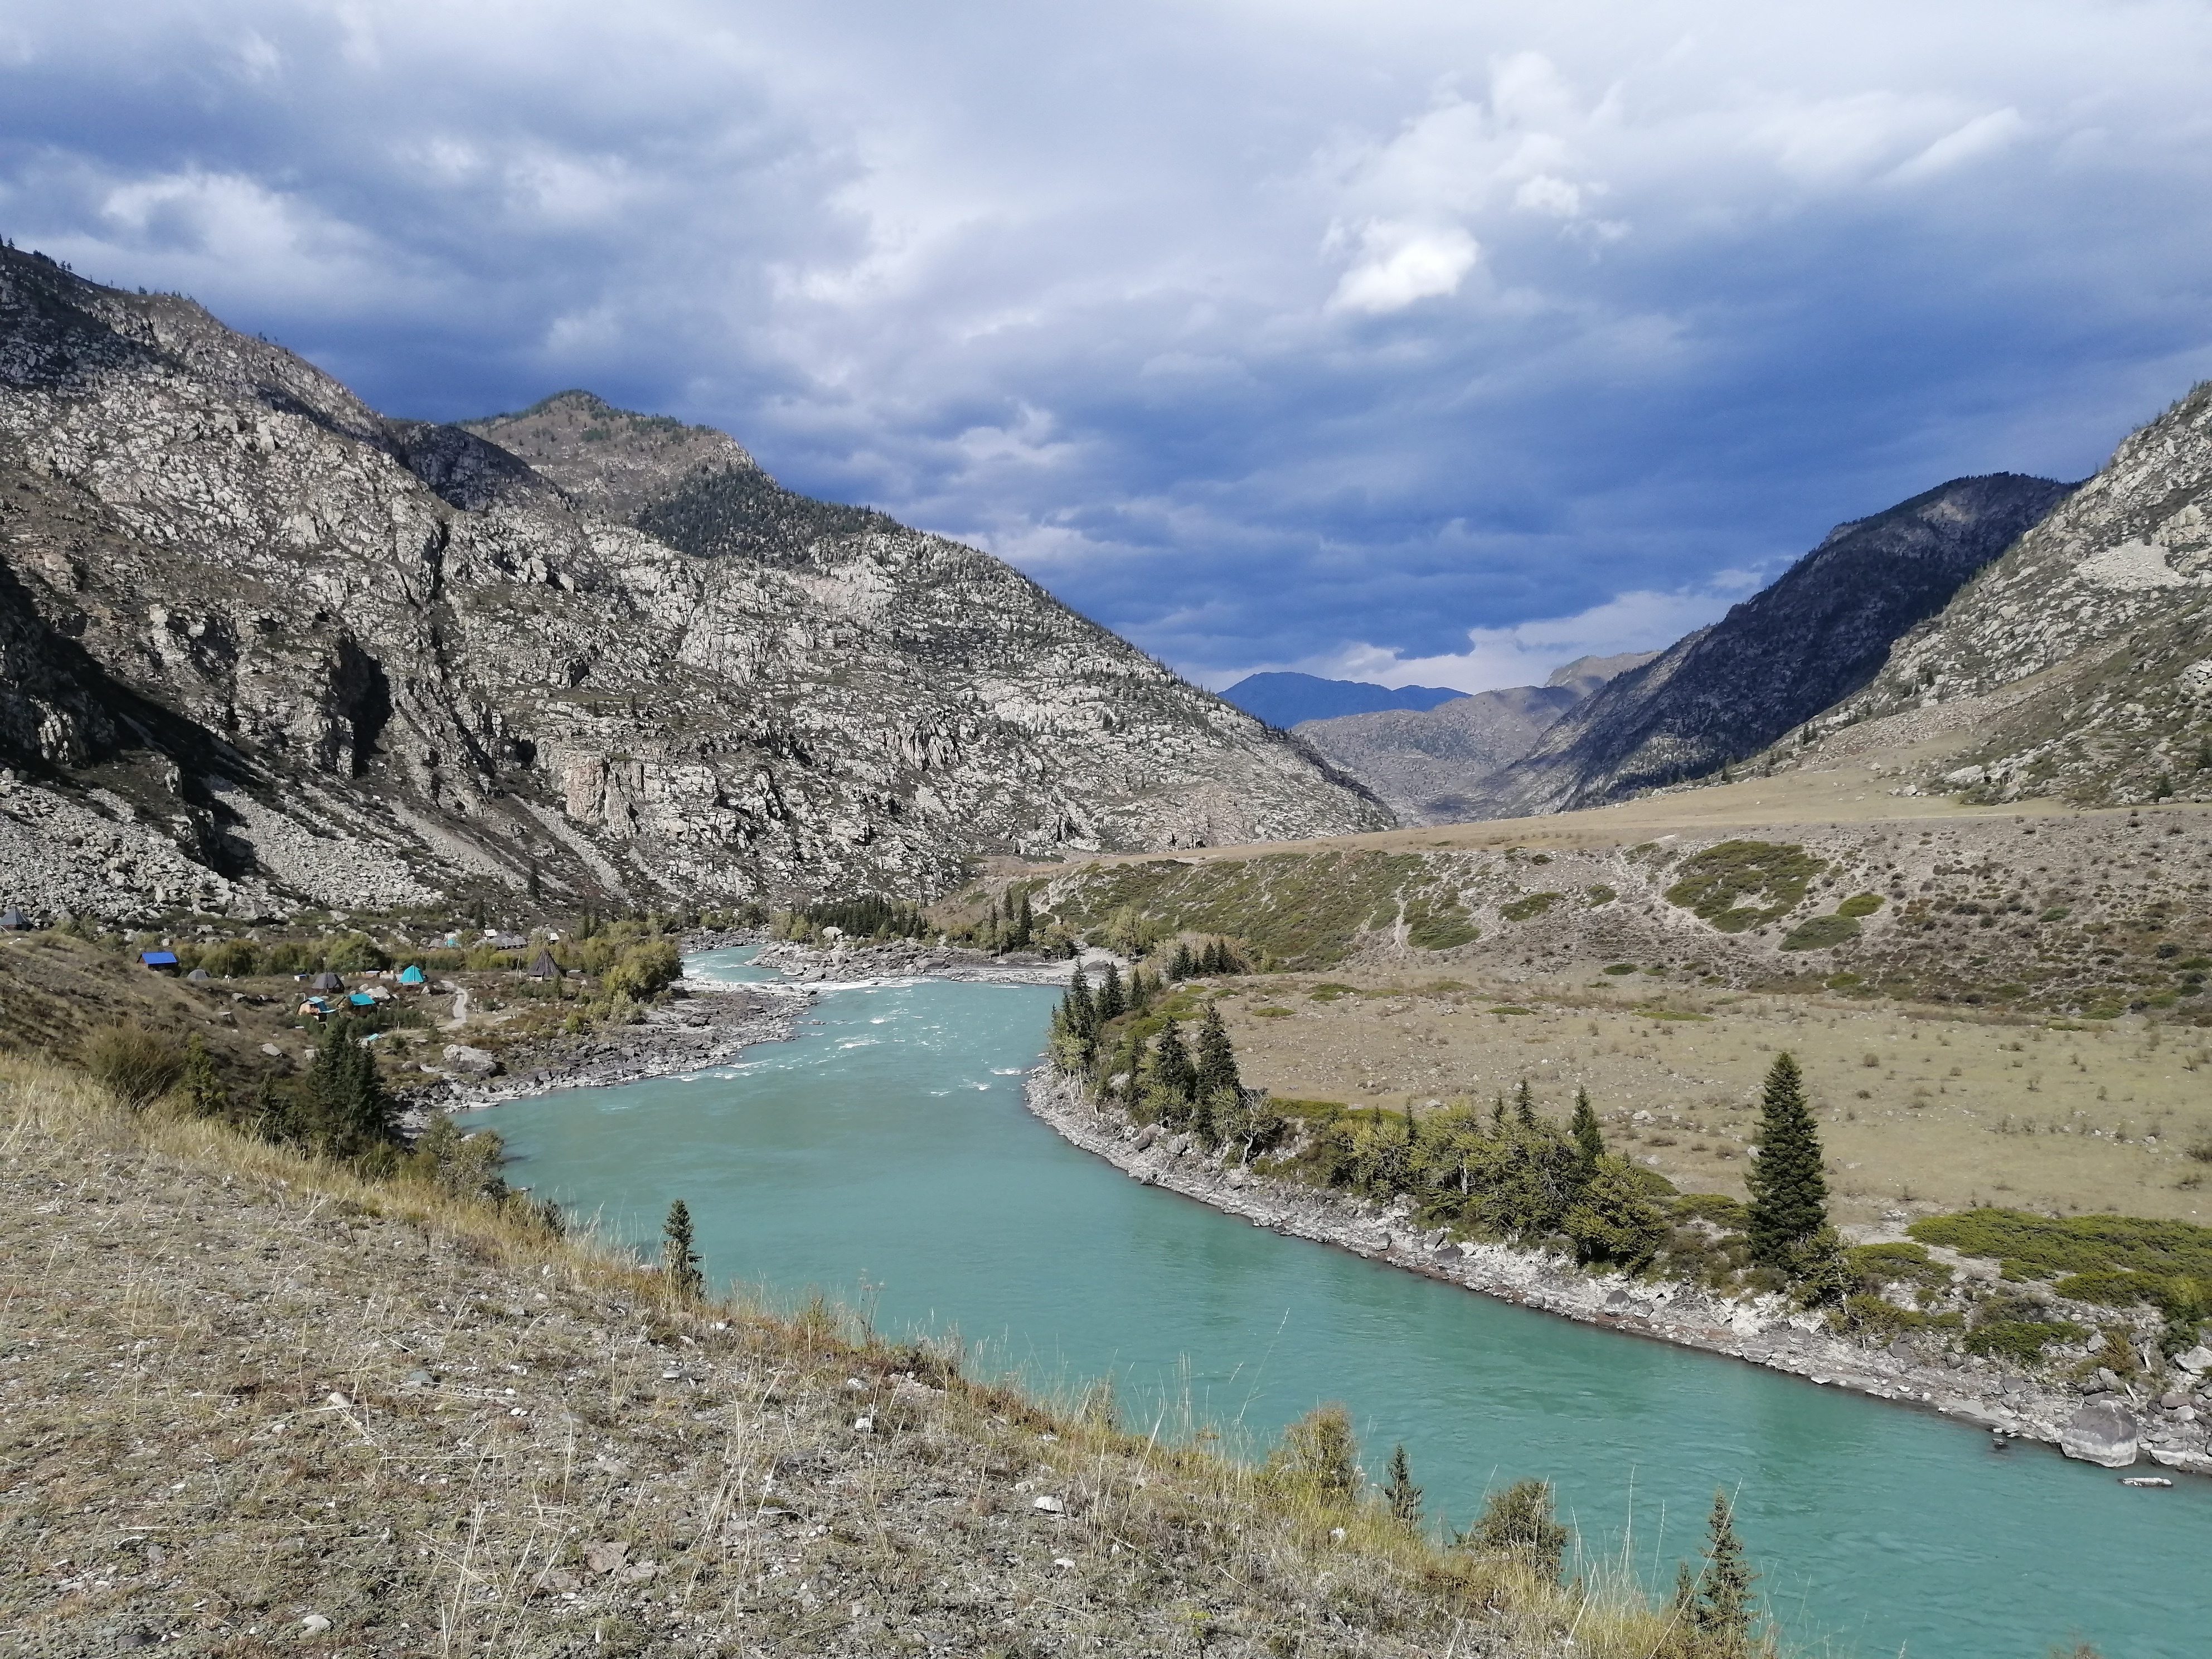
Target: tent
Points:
x,y
327,982
362,999
158,958
198,976
11,919
544,967
410,974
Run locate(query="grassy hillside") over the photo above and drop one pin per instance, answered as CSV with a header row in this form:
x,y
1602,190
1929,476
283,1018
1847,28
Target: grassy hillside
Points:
x,y
251,1399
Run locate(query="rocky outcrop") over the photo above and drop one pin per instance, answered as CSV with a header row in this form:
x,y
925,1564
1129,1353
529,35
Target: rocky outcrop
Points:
x,y
325,658
2081,660
1781,658
2101,1432
1434,765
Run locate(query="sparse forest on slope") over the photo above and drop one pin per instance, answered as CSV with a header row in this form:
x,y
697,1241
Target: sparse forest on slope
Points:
x,y
263,646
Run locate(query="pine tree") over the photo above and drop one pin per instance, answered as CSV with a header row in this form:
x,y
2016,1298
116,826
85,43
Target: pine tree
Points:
x,y
1590,1139
1788,1193
1216,1058
1399,1492
1171,1066
1025,922
202,1089
344,1104
680,1262
1524,1106
1082,1018
1112,1004
1183,964
1723,1613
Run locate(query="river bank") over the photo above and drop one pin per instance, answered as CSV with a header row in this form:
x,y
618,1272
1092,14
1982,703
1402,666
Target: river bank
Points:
x,y
2113,1429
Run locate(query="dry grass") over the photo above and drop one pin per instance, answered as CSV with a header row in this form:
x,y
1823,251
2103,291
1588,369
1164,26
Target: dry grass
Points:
x,y
244,1393
2064,1117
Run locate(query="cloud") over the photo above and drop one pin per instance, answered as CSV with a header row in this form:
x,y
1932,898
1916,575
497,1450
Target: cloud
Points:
x,y
1400,264
1526,653
1274,333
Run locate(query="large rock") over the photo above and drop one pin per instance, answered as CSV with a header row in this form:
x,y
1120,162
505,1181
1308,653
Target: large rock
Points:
x,y
2101,1433
472,1062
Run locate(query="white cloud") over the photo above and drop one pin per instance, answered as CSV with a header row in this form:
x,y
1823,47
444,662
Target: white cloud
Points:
x,y
1400,264
1526,653
1985,135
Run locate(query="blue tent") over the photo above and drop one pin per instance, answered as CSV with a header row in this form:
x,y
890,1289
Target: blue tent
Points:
x,y
410,974
158,958
362,999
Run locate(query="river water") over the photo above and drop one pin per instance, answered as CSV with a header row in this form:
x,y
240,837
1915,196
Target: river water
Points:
x,y
884,1159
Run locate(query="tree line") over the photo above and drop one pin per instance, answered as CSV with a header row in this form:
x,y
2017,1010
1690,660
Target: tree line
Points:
x,y
1511,1172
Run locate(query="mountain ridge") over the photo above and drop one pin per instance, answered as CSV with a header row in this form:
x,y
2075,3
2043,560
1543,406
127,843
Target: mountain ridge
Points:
x,y
264,647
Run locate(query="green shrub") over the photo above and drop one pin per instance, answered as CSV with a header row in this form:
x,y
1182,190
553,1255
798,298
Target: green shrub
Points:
x,y
1820,933
1895,1264
643,970
1599,895
2114,1287
1438,925
134,1065
2042,1247
1729,1214
1528,908
1860,904
1622,967
2021,1340
1744,884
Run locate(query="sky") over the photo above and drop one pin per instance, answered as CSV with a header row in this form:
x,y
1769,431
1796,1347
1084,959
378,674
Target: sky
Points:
x,y
1417,343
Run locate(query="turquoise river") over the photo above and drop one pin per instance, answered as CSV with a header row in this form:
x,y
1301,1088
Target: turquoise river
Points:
x,y
884,1159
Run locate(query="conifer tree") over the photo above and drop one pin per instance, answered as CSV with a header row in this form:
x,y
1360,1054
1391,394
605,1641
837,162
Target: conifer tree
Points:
x,y
1723,1613
1399,1491
1025,922
1082,1018
344,1102
680,1262
1171,1066
1524,1106
1112,1004
1216,1058
1590,1139
202,1091
1788,1193
1181,967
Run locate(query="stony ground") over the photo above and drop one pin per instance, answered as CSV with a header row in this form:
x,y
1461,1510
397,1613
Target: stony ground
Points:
x,y
246,1403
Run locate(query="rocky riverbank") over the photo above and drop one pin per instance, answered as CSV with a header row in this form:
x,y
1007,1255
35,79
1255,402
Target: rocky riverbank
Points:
x,y
909,959
2113,1426
712,1026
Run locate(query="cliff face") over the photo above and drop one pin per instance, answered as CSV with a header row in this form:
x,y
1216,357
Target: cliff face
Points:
x,y
2081,660
1817,635
256,641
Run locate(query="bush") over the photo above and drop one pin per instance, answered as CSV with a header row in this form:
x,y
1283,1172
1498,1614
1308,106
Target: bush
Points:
x,y
2042,1247
1744,884
1529,908
1318,1457
644,970
1519,1524
134,1065
2021,1340
1821,933
1860,904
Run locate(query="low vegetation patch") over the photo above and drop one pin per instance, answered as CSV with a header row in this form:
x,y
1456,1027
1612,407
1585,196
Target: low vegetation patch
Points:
x,y
1821,933
1744,884
1529,906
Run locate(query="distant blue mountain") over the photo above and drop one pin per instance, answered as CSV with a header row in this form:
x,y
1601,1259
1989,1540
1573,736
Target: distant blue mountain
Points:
x,y
1284,700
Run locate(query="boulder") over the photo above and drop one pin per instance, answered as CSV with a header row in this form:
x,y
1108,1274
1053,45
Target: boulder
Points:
x,y
2101,1433
472,1062
2197,1361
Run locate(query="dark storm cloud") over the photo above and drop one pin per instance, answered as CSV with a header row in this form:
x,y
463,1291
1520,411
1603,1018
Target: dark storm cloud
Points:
x,y
1425,342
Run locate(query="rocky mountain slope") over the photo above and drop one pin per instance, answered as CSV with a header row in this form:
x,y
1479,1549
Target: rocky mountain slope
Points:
x,y
1778,660
260,646
1432,766
2079,663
